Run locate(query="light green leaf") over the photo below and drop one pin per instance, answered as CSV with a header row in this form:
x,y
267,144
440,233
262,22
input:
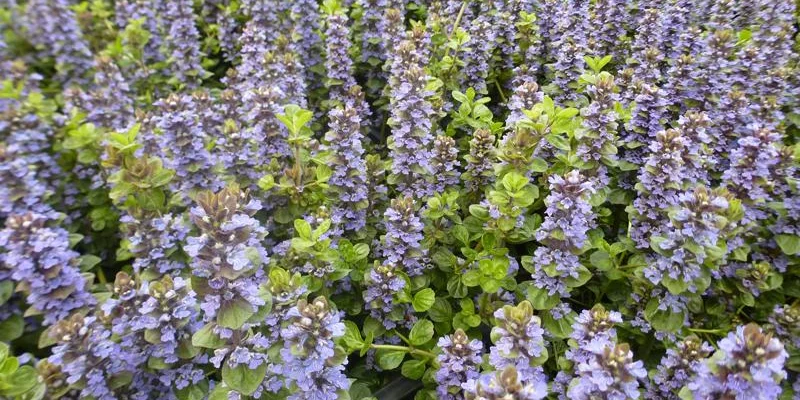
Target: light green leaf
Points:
x,y
243,379
423,300
421,332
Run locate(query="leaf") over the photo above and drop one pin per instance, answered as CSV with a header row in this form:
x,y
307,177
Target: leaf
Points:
x,y
11,328
352,336
21,381
391,359
558,142
206,338
663,320
413,369
789,244
243,379
6,290
234,314
423,300
421,332
441,311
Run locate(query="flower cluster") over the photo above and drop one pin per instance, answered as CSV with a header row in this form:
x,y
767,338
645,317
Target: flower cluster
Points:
x,y
324,199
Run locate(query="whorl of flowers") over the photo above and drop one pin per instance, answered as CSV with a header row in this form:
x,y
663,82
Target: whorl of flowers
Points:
x,y
480,160
609,373
349,179
304,16
383,282
153,239
459,362
182,141
647,48
411,119
600,120
525,96
39,259
677,366
595,324
286,72
152,318
483,41
570,47
518,340
254,41
674,21
786,321
309,351
672,166
716,61
110,103
647,119
608,16
568,219
444,163
748,364
504,384
259,110
701,218
338,63
150,12
87,355
753,172
54,30
402,243
228,253
27,169
182,43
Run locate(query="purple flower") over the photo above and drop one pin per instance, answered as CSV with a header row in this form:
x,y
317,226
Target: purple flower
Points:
x,y
39,259
229,252
519,342
53,29
748,364
412,117
309,348
505,384
182,43
568,219
402,243
349,178
609,373
677,366
459,362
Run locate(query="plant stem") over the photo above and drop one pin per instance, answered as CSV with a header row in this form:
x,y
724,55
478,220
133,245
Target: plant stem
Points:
x,y
411,350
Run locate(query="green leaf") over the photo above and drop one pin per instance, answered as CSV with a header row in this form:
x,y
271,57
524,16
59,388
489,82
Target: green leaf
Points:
x,y
413,369
303,228
21,381
234,314
441,311
560,328
6,290
789,244
391,359
243,379
423,300
206,338
11,328
663,320
352,336
193,392
421,332
558,142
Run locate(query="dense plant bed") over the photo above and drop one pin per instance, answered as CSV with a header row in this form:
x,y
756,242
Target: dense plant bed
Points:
x,y
429,199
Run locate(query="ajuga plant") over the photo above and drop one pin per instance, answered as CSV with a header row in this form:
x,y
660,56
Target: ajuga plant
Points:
x,y
399,199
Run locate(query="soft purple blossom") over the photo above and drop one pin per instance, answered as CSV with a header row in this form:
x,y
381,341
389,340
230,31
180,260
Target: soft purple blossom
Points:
x,y
748,365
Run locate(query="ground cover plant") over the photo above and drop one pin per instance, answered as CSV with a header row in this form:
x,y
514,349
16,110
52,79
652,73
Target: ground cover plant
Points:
x,y
428,199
